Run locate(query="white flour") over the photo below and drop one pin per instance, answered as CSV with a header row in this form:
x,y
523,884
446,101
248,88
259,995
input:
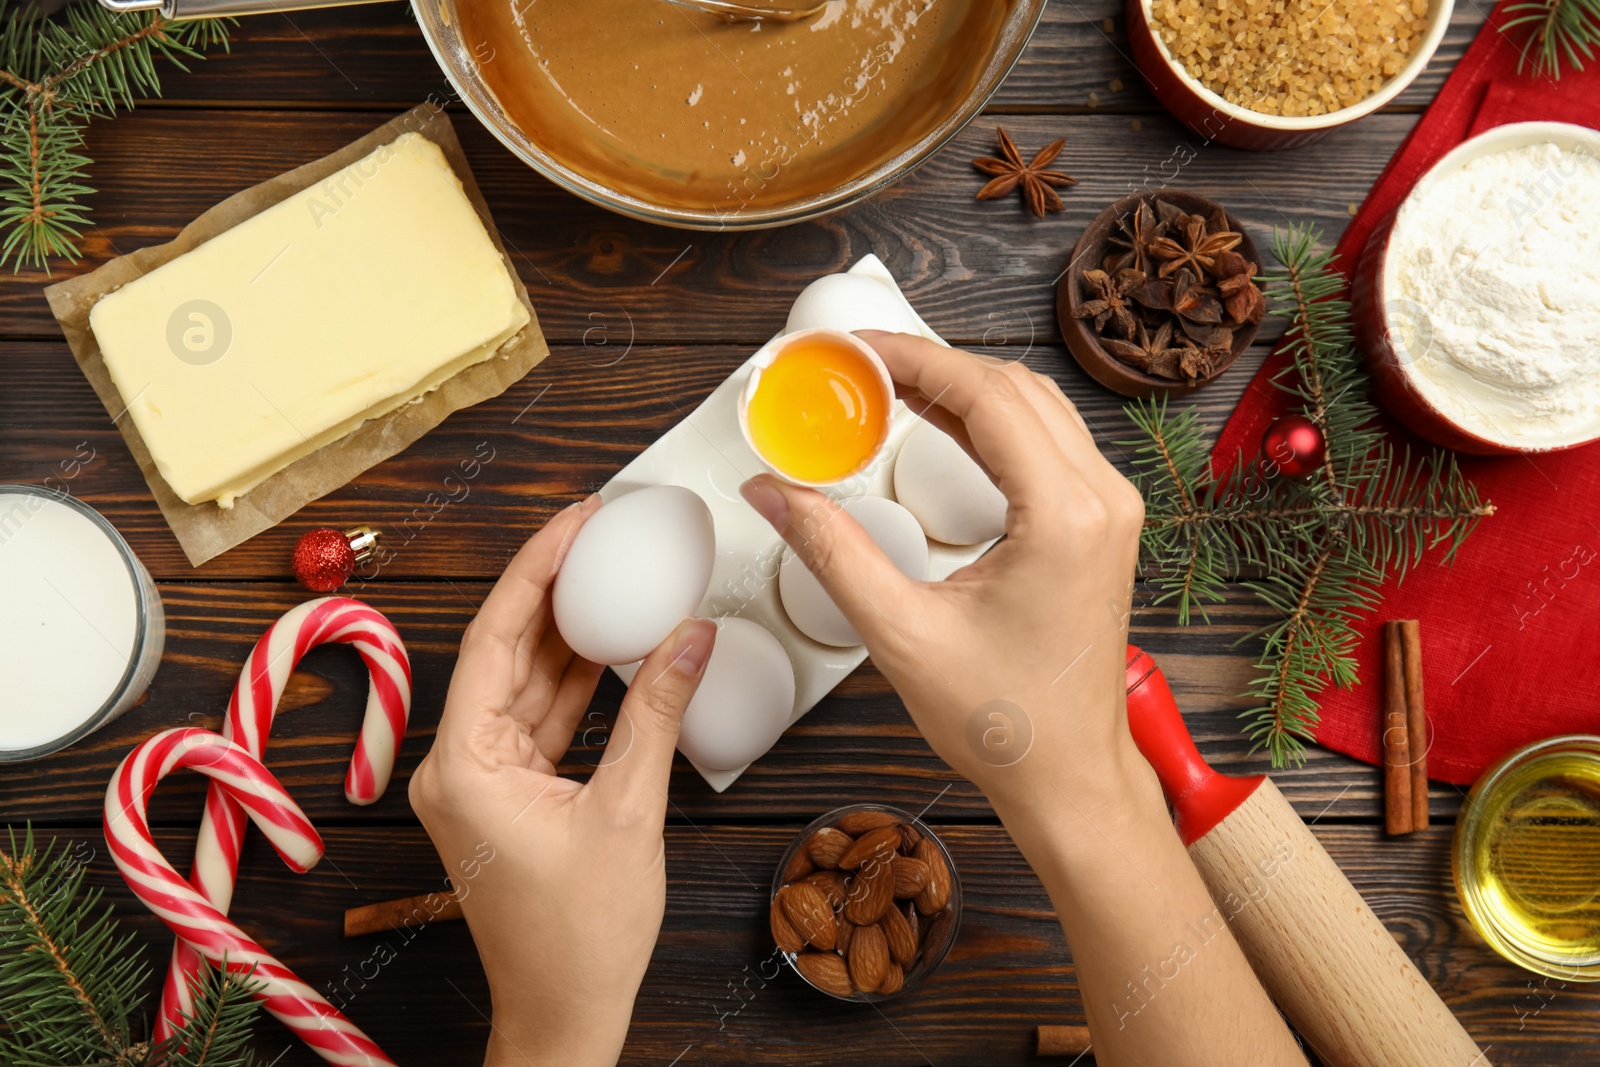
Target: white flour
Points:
x,y
1493,276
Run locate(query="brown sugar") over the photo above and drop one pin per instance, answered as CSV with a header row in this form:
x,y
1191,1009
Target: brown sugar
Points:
x,y
1292,57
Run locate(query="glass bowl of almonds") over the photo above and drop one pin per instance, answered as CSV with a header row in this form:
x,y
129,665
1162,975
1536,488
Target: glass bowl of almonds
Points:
x,y
865,903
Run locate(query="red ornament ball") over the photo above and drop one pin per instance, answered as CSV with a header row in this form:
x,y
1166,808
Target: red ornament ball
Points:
x,y
1294,445
324,559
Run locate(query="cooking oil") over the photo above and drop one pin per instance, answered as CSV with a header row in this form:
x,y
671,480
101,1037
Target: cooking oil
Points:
x,y
1527,857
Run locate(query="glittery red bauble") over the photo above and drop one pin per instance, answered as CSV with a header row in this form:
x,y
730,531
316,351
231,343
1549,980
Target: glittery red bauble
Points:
x,y
324,560
1294,445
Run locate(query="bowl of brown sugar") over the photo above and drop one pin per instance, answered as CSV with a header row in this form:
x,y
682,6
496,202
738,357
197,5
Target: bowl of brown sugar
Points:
x,y
679,117
1274,74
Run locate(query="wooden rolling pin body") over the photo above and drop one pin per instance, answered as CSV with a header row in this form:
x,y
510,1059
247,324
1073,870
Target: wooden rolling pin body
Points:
x,y
1320,952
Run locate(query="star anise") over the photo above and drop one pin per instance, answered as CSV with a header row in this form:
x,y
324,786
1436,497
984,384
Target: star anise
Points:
x,y
1009,172
1199,248
1110,300
1140,231
1153,354
1193,302
1236,285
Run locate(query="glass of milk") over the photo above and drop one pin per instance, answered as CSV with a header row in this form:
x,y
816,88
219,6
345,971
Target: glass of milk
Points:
x,y
81,625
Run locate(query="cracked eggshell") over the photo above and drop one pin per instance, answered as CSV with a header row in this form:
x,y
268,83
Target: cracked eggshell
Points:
x,y
850,302
744,702
638,567
949,494
808,605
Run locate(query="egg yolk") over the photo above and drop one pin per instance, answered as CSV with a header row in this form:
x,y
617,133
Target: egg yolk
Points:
x,y
819,412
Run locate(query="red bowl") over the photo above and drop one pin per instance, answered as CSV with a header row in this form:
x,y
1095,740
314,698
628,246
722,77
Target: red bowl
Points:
x,y
1215,119
1383,354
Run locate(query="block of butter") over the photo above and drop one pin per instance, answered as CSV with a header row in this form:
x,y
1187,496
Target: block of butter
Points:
x,y
284,333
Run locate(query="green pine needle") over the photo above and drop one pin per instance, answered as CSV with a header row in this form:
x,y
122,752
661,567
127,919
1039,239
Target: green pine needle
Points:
x,y
219,1030
1323,545
1560,31
56,74
71,983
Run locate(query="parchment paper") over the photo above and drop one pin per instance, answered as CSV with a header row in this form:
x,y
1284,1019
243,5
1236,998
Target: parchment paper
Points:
x,y
206,530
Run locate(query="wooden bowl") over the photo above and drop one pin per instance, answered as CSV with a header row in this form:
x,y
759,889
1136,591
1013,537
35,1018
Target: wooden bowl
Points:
x,y
1215,119
1374,311
1089,253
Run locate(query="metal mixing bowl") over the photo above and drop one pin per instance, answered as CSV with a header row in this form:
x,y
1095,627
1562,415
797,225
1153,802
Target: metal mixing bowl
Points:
x,y
442,30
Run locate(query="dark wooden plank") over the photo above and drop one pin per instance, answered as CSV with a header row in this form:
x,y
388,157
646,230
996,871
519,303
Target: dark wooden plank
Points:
x,y
557,435
857,745
374,56
973,269
705,999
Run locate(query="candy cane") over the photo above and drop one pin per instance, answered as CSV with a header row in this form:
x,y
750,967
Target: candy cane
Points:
x,y
190,915
250,713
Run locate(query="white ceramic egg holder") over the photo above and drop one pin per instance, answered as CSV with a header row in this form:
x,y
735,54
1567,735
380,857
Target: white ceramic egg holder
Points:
x,y
707,454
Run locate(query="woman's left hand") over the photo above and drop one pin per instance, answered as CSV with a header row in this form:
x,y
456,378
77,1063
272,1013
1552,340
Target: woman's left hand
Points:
x,y
564,882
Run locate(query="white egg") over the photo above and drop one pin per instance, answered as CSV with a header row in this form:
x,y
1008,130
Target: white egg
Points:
x,y
638,567
744,701
810,608
850,302
947,492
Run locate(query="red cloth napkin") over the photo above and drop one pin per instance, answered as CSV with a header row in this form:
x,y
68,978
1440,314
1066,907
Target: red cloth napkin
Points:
x,y
1511,629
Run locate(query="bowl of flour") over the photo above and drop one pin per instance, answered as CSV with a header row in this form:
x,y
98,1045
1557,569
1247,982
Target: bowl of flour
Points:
x,y
1477,303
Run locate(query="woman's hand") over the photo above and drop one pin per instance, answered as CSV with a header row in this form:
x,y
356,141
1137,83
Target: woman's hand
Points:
x,y
565,882
1013,670
1012,667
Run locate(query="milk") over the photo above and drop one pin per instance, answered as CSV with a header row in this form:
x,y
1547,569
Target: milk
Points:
x,y
81,625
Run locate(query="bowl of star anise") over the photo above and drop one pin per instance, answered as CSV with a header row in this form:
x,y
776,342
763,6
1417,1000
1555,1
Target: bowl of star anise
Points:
x,y
1161,295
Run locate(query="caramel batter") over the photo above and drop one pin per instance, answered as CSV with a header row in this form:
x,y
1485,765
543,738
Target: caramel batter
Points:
x,y
681,109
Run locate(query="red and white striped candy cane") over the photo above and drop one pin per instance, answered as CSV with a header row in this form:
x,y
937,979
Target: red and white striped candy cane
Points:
x,y
189,914
250,713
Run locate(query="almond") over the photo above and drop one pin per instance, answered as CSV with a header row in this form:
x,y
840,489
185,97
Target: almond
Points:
x,y
833,886
805,906
936,937
871,893
825,971
909,839
936,894
869,958
799,866
859,822
897,932
910,876
841,940
783,931
827,846
894,977
874,844
913,921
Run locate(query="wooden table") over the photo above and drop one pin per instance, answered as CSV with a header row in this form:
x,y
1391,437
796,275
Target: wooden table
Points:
x,y
643,322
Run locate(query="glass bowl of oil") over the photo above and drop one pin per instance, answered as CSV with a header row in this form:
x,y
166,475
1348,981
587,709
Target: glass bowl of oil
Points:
x,y
1527,857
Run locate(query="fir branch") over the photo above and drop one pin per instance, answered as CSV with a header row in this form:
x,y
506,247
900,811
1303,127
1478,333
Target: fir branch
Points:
x,y
1561,31
68,982
56,74
217,1033
1323,545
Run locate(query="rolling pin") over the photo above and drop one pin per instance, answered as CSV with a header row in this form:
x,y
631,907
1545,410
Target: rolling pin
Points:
x,y
1320,952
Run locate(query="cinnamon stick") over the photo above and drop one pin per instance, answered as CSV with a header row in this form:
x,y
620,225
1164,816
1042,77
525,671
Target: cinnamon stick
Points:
x,y
1396,735
399,914
1063,1040
1416,721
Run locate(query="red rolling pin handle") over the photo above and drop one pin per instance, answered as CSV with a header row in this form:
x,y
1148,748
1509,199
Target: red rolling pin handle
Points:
x,y
1200,796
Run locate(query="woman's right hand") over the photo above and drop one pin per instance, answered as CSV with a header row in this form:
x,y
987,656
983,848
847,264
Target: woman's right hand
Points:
x,y
1012,667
